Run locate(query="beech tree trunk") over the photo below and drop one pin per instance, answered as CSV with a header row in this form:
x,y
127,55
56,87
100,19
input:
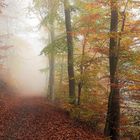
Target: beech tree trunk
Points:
x,y
51,68
113,115
51,56
70,52
81,80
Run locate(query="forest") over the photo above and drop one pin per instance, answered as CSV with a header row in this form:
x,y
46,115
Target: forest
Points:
x,y
69,70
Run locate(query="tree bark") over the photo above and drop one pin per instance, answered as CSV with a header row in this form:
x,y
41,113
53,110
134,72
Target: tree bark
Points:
x,y
51,56
81,80
70,51
51,70
113,115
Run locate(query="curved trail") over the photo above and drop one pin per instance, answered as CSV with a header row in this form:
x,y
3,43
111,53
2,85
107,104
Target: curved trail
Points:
x,y
34,119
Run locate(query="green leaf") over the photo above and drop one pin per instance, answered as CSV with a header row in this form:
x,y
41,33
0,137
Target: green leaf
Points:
x,y
57,46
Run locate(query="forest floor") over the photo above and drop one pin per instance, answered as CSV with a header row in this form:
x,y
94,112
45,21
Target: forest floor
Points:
x,y
33,118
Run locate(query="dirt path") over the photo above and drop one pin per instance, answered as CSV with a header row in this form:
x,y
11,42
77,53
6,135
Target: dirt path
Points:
x,y
34,119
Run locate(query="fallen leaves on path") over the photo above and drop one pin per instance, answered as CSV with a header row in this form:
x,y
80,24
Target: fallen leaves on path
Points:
x,y
34,119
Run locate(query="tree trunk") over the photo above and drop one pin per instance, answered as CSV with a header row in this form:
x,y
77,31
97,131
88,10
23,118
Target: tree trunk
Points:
x,y
51,69
80,83
61,71
113,114
79,92
70,52
51,57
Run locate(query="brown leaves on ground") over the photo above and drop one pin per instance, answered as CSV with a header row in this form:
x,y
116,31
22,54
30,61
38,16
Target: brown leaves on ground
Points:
x,y
34,119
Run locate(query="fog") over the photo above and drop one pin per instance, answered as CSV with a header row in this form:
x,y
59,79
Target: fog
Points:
x,y
23,61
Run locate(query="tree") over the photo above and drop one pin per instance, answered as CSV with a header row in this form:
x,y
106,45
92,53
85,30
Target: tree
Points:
x,y
113,114
51,55
48,11
70,51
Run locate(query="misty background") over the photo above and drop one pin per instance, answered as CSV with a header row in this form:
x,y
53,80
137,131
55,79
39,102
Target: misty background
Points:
x,y
23,61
